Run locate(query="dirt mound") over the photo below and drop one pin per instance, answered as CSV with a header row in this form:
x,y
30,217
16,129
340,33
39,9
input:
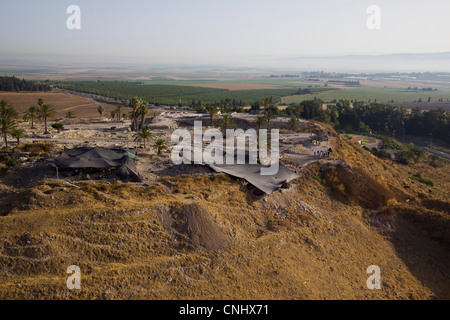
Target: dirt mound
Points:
x,y
196,222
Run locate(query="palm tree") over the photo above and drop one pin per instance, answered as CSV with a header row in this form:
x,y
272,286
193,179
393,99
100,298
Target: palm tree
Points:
x,y
267,104
119,111
136,102
46,111
41,102
135,114
143,111
18,134
160,145
212,111
269,116
7,110
70,115
261,121
100,110
143,135
3,106
227,122
7,127
225,107
31,114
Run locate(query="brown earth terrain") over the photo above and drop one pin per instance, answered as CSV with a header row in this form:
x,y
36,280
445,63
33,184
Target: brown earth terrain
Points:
x,y
206,236
62,102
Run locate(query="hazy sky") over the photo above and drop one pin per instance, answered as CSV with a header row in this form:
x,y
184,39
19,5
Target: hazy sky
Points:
x,y
209,31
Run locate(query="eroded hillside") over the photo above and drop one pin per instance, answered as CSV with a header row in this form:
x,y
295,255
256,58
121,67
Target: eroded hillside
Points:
x,y
208,237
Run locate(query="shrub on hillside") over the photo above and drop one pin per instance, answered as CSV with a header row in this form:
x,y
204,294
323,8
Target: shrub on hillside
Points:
x,y
37,147
405,156
417,153
58,126
409,154
383,154
418,177
330,177
388,143
11,161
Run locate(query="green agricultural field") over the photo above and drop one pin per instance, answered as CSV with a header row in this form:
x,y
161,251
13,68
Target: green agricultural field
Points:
x,y
380,94
281,83
172,94
245,92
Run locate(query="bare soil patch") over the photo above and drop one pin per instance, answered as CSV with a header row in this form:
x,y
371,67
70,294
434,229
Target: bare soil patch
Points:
x,y
197,223
62,102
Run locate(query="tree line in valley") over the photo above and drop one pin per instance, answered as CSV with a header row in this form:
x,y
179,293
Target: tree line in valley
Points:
x,y
372,117
17,85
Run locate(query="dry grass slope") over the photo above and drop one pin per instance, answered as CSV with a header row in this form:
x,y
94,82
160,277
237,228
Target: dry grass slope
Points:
x,y
208,237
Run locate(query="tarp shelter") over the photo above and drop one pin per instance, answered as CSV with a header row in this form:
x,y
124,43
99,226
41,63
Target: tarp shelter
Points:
x,y
98,158
252,174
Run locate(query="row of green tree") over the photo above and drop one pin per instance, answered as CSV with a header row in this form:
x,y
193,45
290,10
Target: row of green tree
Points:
x,y
15,84
375,117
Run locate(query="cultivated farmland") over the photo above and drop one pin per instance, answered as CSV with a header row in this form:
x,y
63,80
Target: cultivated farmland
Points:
x,y
380,94
61,102
172,94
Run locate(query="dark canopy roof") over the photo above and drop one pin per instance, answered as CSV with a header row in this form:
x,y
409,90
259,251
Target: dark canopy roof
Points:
x,y
90,158
97,158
